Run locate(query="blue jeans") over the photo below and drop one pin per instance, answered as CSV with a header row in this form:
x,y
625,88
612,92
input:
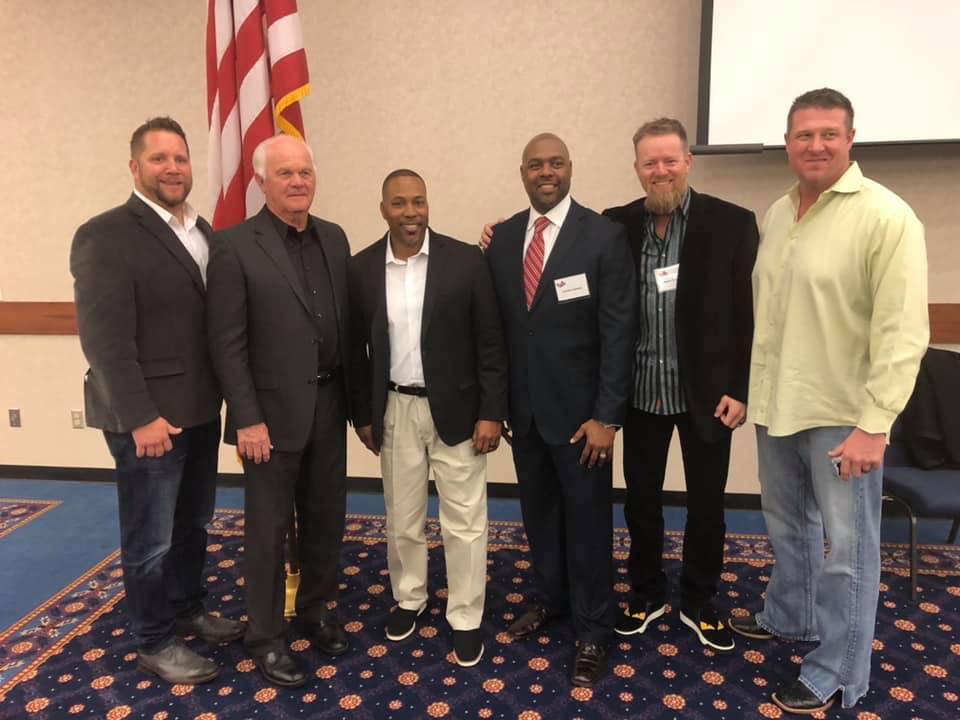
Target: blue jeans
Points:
x,y
832,599
165,506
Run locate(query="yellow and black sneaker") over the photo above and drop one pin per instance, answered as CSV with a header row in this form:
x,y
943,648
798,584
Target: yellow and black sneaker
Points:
x,y
637,618
709,628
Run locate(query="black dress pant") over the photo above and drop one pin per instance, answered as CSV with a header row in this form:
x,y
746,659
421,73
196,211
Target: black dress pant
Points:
x,y
568,518
314,479
646,440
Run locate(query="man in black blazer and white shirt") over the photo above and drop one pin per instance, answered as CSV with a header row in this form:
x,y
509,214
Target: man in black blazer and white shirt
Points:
x,y
430,390
566,290
278,319
694,254
139,283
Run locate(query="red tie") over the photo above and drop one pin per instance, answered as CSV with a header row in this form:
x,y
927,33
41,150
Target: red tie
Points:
x,y
533,260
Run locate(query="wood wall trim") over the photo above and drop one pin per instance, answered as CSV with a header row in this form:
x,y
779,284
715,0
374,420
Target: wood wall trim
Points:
x,y
945,323
38,318
60,318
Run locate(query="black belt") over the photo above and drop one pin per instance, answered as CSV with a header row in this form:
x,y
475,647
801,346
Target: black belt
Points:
x,y
409,389
327,375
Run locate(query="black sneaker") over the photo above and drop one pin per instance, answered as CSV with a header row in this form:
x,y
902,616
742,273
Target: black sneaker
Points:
x,y
467,647
709,628
402,623
636,619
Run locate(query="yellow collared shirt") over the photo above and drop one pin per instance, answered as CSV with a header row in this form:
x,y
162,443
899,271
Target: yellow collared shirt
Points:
x,y
840,307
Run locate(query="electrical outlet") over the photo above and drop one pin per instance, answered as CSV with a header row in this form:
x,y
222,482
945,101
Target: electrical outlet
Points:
x,y
76,419
14,417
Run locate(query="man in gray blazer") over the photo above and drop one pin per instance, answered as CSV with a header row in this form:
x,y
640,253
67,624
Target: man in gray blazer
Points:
x,y
278,332
139,285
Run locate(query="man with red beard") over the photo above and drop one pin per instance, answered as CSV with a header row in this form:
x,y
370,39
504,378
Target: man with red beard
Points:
x,y
693,254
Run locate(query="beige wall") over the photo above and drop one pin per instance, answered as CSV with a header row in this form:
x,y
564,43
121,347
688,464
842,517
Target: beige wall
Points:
x,y
450,89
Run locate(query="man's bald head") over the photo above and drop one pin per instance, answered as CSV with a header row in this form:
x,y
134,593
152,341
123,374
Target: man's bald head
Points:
x,y
544,136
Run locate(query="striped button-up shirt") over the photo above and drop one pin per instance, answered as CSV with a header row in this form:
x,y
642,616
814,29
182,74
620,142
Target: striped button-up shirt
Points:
x,y
657,387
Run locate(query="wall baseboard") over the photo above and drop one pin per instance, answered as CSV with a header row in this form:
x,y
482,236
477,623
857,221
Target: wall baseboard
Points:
x,y
509,491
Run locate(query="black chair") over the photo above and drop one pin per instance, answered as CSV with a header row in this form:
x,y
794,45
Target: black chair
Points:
x,y
924,493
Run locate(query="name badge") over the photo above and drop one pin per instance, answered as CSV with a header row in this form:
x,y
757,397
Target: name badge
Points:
x,y
572,287
666,277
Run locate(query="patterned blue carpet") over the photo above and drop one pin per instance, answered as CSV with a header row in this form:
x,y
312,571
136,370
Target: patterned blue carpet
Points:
x,y
73,657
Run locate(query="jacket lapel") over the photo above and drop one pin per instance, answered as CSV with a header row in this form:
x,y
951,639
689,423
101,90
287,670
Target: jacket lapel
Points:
x,y
691,253
165,234
435,266
379,331
271,243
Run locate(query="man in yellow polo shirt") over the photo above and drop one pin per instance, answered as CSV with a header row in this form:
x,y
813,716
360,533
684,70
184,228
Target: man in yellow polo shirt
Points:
x,y
840,304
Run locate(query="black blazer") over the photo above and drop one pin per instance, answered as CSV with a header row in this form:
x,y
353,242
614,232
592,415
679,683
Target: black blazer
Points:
x,y
461,340
714,320
262,331
140,309
570,361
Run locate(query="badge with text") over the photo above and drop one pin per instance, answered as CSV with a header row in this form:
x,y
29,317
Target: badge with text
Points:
x,y
666,277
572,287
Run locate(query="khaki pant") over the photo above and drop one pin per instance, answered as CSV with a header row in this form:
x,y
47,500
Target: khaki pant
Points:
x,y
410,448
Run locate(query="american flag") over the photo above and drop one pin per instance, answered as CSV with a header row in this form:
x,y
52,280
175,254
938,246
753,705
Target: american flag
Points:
x,y
256,77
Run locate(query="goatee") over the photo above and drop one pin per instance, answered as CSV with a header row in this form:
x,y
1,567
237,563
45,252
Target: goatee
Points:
x,y
664,203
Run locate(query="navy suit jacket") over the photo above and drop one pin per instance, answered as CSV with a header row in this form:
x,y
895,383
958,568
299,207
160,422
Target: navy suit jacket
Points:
x,y
569,361
714,320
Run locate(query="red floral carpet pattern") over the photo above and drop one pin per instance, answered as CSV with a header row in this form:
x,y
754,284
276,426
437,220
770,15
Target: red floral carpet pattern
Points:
x,y
74,657
14,514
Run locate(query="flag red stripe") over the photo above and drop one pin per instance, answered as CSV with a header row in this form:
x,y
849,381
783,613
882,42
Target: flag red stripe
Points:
x,y
289,73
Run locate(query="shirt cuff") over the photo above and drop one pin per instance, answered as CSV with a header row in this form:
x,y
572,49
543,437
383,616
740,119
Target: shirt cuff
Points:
x,y
874,419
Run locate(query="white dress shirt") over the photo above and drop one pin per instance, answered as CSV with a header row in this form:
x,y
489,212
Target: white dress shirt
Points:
x,y
406,281
556,215
188,232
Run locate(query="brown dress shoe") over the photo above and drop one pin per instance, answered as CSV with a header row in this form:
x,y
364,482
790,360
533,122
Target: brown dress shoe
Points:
x,y
528,623
590,664
178,665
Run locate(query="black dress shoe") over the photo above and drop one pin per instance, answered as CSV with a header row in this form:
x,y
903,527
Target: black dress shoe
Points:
x,y
589,665
210,628
528,623
280,668
325,634
797,698
178,665
748,627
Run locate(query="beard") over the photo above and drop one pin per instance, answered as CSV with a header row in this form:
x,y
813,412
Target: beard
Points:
x,y
664,202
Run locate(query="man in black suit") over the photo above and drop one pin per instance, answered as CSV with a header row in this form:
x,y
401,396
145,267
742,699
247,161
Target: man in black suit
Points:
x,y
431,392
139,286
566,290
694,254
278,320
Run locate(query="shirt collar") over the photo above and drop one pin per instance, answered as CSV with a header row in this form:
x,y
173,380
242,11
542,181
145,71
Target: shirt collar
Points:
x,y
424,250
556,215
189,214
850,182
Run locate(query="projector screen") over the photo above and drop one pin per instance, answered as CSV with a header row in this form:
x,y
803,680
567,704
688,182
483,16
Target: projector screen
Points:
x,y
897,60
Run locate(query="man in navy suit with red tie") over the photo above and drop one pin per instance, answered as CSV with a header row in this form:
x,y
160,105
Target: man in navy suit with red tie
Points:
x,y
566,289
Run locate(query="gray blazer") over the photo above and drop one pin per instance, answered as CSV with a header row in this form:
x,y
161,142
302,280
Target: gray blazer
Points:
x,y
140,309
